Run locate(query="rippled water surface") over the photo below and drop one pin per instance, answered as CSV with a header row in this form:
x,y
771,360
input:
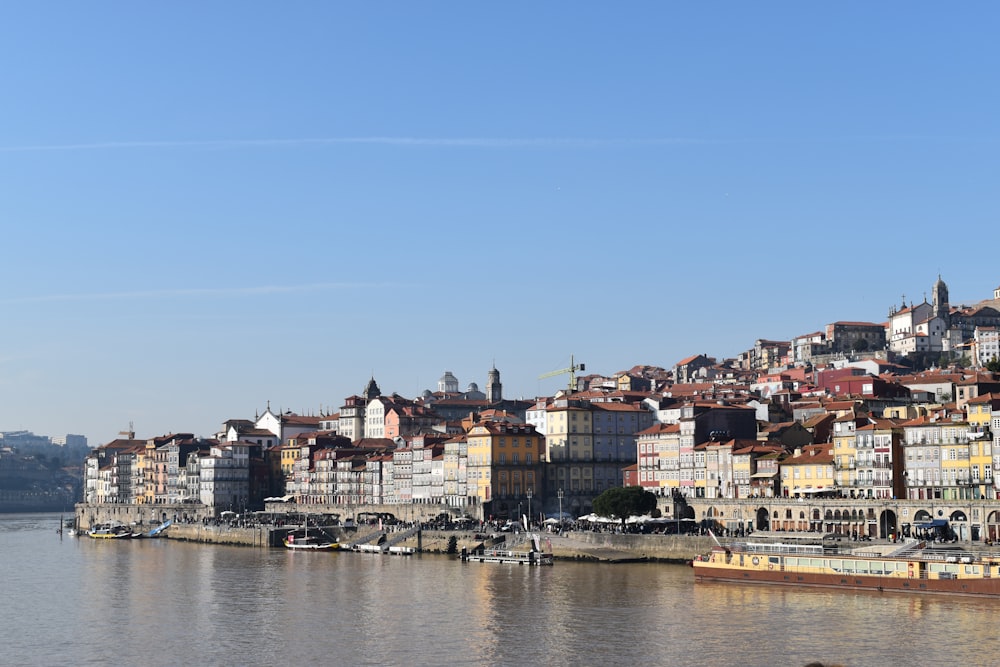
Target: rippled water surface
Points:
x,y
80,601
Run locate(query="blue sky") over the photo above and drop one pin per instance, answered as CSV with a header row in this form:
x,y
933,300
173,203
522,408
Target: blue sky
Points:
x,y
209,206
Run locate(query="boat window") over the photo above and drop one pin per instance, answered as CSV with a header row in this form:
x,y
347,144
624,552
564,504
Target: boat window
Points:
x,y
943,567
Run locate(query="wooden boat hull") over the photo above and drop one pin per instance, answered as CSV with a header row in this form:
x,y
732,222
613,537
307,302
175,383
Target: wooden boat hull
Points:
x,y
107,532
110,536
976,587
908,569
325,546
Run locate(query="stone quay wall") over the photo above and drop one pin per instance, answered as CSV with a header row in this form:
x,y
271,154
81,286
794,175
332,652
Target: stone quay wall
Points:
x,y
143,516
971,520
673,548
259,536
196,523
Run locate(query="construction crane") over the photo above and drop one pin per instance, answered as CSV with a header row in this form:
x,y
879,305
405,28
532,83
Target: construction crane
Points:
x,y
130,432
573,368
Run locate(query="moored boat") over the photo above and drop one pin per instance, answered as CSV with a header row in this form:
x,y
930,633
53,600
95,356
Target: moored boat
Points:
x,y
110,531
308,542
156,532
910,568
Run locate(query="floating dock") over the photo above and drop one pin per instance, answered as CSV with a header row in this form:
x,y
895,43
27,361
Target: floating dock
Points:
x,y
514,557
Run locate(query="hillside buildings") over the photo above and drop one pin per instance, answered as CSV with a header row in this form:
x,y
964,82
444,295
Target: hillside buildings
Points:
x,y
833,413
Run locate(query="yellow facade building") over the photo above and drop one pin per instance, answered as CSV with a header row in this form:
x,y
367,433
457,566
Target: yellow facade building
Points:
x,y
504,466
980,412
807,471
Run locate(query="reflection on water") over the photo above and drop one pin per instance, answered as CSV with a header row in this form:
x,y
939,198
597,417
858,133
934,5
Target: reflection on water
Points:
x,y
161,602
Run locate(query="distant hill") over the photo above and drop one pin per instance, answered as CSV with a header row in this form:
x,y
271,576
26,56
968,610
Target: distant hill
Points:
x,y
43,481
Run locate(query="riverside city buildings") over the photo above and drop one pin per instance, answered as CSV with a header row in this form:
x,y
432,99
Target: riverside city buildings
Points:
x,y
891,432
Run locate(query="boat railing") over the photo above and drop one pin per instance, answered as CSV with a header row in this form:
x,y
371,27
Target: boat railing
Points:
x,y
778,548
948,555
911,550
909,546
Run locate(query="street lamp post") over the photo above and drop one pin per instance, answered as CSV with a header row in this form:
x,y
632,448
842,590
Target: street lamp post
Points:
x,y
530,519
559,494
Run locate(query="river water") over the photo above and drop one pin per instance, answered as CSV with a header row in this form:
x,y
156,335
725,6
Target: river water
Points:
x,y
79,601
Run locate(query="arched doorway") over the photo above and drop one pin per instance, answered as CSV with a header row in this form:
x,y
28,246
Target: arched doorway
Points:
x,y
887,524
993,525
763,522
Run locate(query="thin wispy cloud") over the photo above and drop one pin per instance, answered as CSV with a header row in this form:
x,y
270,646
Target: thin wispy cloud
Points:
x,y
429,142
210,292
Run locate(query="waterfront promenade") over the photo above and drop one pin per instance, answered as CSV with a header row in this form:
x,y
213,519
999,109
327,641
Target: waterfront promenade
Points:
x,y
973,523
607,547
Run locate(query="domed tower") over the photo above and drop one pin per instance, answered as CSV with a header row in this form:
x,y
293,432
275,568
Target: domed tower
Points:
x,y
448,383
494,390
940,299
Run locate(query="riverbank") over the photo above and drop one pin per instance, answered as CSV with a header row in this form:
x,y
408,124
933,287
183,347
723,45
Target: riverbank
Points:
x,y
574,545
588,546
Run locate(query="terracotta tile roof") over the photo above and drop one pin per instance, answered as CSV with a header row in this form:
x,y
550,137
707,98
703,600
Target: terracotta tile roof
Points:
x,y
811,454
755,448
301,420
687,360
989,398
816,420
657,429
616,406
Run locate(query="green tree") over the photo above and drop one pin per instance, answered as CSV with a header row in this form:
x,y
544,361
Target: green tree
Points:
x,y
860,345
993,365
622,503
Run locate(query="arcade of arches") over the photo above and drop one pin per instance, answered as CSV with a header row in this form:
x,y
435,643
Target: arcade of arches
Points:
x,y
876,519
